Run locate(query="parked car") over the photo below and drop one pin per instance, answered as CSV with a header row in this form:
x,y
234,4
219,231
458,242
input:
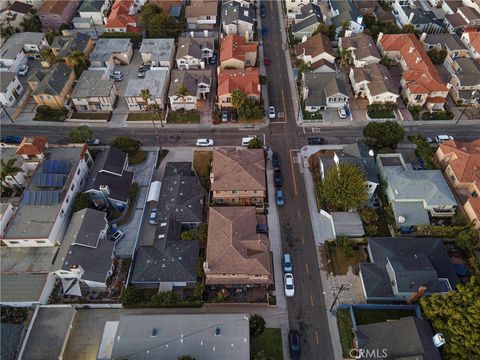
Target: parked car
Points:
x,y
11,139
294,341
224,116
204,142
153,217
246,140
262,228
263,10
143,73
276,160
264,32
271,112
289,286
342,114
287,263
277,178
117,235
116,76
93,141
428,139
23,70
441,138
144,67
408,229
279,198
316,140
213,59
267,61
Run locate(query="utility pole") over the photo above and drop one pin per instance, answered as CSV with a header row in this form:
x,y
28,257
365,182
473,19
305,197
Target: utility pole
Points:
x,y
6,112
336,297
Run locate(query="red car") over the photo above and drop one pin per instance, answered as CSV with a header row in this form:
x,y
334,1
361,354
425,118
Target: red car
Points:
x,y
267,61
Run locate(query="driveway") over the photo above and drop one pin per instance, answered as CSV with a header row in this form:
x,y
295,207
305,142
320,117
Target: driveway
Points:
x,y
143,175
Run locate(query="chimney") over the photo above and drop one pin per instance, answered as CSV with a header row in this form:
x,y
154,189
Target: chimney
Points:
x,y
418,59
77,270
212,178
410,17
423,36
205,267
304,38
415,296
205,33
438,340
247,39
360,19
411,49
105,190
380,35
192,33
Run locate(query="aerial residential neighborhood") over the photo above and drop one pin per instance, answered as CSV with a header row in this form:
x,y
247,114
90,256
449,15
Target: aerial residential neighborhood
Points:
x,y
240,179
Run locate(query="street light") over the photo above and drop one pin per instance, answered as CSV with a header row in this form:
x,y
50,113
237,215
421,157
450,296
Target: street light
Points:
x,y
474,92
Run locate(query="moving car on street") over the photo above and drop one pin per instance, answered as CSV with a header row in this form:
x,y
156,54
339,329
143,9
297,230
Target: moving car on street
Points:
x,y
289,286
204,142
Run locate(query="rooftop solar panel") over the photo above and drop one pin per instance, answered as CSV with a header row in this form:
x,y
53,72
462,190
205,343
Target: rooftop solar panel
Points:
x,y
40,197
55,167
49,180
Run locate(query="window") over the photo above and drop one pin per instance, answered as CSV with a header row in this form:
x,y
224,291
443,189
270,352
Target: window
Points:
x,y
13,242
474,194
72,187
10,98
62,213
19,87
78,172
41,242
208,17
154,332
453,178
67,200
418,97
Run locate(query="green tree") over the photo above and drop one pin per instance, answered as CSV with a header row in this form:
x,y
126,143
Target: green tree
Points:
x,y
456,314
6,31
186,357
47,55
50,34
202,233
381,135
468,238
182,92
322,29
251,110
81,201
81,134
187,235
238,98
77,60
437,56
33,24
126,144
345,56
9,168
262,79
156,22
343,187
130,296
257,325
255,143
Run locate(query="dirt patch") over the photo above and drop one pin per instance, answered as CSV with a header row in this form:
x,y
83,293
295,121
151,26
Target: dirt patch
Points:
x,y
202,164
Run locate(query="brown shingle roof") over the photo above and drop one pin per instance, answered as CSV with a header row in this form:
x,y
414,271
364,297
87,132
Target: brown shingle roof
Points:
x,y
235,247
52,7
196,10
238,169
362,46
20,7
466,164
316,45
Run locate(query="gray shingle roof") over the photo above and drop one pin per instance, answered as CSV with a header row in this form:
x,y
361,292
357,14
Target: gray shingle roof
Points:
x,y
233,11
362,46
10,339
190,79
451,42
193,47
91,84
322,85
310,14
54,80
468,72
378,77
66,44
86,226
91,5
347,11
6,78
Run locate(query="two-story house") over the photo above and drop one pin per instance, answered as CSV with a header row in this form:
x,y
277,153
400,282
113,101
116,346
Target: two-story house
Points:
x,y
197,84
461,164
52,87
465,80
471,39
374,82
361,50
156,82
201,16
93,92
307,21
11,88
317,53
247,81
54,14
323,90
108,52
463,19
238,177
451,43
158,52
421,20
193,53
421,83
62,46
236,53
345,13
16,13
18,46
238,17
123,17
294,7
95,10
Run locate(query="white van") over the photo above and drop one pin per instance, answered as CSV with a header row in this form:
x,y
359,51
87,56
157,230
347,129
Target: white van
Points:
x,y
246,140
441,138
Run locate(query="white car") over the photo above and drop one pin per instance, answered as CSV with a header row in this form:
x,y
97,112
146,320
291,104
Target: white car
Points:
x,y
441,138
342,114
204,142
271,112
116,76
289,287
23,70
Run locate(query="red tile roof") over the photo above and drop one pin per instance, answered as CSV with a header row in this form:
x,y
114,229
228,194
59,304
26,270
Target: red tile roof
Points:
x,y
245,80
475,204
421,75
474,38
120,17
234,47
32,146
466,164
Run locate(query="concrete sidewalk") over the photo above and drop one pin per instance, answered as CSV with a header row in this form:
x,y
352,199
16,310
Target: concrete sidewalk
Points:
x,y
276,249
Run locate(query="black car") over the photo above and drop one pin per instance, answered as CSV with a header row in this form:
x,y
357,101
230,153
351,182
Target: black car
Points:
x,y
263,10
316,141
262,228
277,178
276,160
144,67
294,341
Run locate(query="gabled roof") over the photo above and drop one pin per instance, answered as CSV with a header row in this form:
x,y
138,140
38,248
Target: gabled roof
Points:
x,y
466,161
469,12
113,161
188,46
447,41
190,79
468,72
233,11
54,81
310,14
314,46
20,7
209,8
473,38
246,80
120,16
234,246
53,7
238,169
347,11
322,85
32,146
91,6
79,41
362,46
378,78
234,47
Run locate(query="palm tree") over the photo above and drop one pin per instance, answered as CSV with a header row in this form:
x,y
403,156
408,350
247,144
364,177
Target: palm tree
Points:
x,y
345,56
182,92
145,95
10,169
77,60
48,55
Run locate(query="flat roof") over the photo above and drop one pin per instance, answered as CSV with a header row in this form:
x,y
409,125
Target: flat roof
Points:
x,y
104,48
154,82
413,212
347,224
192,334
161,49
17,41
22,287
92,83
49,330
16,260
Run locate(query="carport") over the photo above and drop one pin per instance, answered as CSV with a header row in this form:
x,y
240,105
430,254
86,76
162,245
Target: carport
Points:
x,y
154,191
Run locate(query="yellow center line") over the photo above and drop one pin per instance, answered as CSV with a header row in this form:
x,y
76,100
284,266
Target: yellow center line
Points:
x,y
311,300
306,268
316,337
293,173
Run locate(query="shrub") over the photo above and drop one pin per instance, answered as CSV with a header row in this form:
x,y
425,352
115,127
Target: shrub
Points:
x,y
187,235
130,296
133,191
81,201
257,325
126,144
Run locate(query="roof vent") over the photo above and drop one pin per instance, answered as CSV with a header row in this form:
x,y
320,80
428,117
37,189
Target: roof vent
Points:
x,y
154,332
438,340
218,331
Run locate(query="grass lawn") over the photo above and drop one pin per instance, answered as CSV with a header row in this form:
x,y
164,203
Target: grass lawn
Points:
x,y
270,342
437,115
187,117
92,116
145,116
344,323
137,158
51,115
307,115
201,164
340,261
381,115
363,316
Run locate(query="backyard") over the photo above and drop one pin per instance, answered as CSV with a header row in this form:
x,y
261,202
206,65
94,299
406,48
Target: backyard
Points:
x,y
268,344
202,164
344,255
